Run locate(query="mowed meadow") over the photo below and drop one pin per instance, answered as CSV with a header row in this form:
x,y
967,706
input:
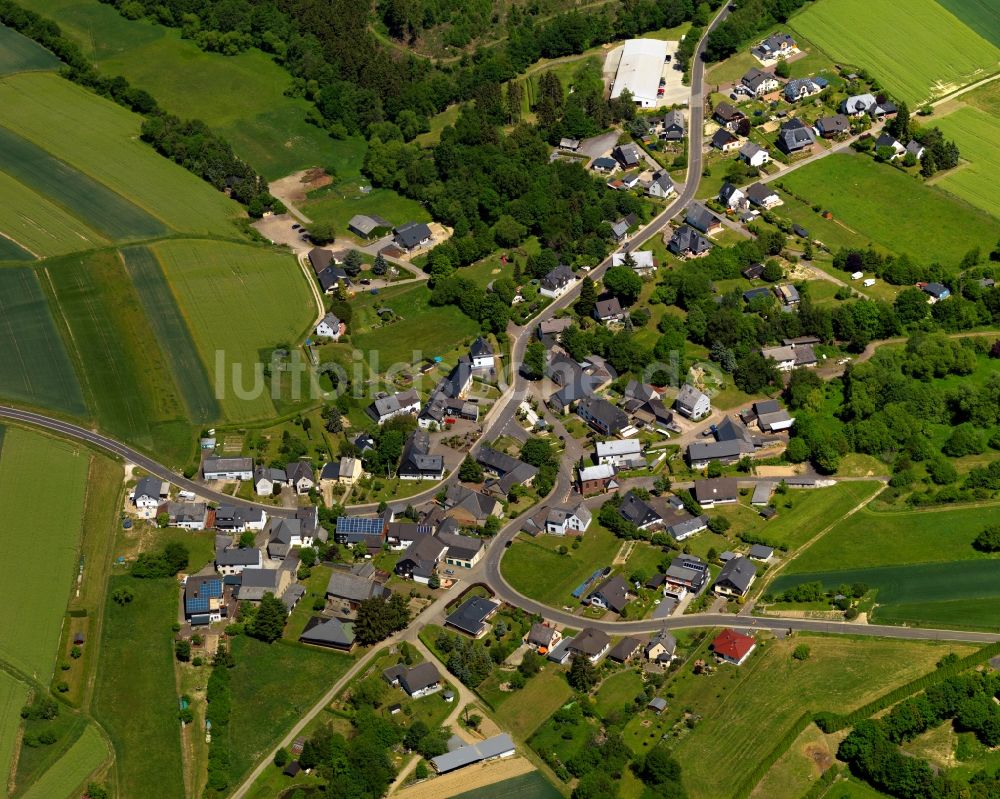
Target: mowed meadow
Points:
x,y
917,49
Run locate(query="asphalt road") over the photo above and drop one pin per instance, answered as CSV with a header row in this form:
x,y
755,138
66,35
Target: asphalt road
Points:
x,y
136,457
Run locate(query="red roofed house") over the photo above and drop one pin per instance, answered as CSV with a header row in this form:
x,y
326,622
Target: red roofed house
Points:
x,y
733,647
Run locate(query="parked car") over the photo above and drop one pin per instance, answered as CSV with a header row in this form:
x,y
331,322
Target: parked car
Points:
x,y
663,81
365,281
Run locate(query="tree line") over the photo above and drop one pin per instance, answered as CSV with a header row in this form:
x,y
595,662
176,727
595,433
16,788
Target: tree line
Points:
x,y
189,143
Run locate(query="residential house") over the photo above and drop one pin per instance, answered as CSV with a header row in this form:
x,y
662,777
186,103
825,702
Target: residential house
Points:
x,y
597,479
470,508
354,585
718,491
638,512
626,649
266,479
619,229
523,475
733,647
227,468
320,259
915,149
602,415
149,493
561,653
185,515
795,136
757,83
347,471
888,142
604,164
692,403
754,155
641,261
333,278
331,633
936,291
366,226
459,380
735,578
417,463
763,195
472,616
674,127
770,417
353,530
783,357
788,294
627,155
499,746
753,272
416,681
723,140
301,531
421,558
566,521
833,126
686,574
234,560
701,454
569,144
732,197
463,551
608,311
239,518
589,643
762,493
661,186
481,353
728,116
501,465
300,476
687,526
204,600
761,552
442,409
661,648
257,582
778,45
330,327
612,594
542,637
412,236
801,88
389,406
400,535
702,220
557,282
625,453
553,328
686,242
859,104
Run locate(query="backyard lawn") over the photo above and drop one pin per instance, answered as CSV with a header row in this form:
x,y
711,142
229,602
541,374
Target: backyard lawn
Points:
x,y
522,712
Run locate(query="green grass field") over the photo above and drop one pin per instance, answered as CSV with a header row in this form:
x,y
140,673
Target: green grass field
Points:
x,y
980,15
241,97
525,786
920,54
337,205
886,206
237,301
617,691
272,686
13,252
431,331
46,512
40,225
171,331
100,139
69,775
896,538
112,336
745,710
521,712
976,134
20,54
13,695
136,697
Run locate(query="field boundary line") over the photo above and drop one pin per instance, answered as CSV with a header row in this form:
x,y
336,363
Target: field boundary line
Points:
x,y
73,350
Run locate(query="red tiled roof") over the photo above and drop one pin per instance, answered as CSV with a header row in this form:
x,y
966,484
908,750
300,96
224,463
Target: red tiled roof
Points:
x,y
732,644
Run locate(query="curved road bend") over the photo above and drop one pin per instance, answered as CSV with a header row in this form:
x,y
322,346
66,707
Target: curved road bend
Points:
x,y
133,456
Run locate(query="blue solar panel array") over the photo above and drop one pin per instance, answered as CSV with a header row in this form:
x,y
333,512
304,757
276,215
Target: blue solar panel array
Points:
x,y
359,524
197,604
211,588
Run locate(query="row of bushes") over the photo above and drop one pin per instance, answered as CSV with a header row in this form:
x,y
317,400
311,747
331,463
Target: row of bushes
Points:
x,y
189,143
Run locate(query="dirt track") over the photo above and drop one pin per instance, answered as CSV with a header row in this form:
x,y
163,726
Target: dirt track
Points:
x,y
467,779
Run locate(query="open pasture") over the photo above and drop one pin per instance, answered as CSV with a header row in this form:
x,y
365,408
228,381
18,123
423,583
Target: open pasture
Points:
x,y
896,538
112,336
746,710
69,774
893,209
34,366
239,96
918,50
39,225
239,302
977,135
20,54
37,513
13,695
100,139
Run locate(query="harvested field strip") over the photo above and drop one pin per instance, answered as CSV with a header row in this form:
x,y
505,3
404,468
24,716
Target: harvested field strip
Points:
x,y
20,54
36,473
117,349
13,695
239,302
39,225
34,366
10,251
172,333
101,140
71,771
106,211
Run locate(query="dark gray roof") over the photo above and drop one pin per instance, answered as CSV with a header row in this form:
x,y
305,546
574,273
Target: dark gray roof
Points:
x,y
723,137
625,648
589,642
838,123
795,135
758,193
417,458
737,574
332,276
472,614
457,379
717,489
637,511
352,586
480,347
700,218
614,591
473,753
411,234
687,239
152,487
699,451
611,417
557,278
476,503
328,632
320,259
606,309
234,556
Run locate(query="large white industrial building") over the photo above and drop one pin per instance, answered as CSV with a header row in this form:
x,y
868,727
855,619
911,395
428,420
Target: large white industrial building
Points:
x,y
640,69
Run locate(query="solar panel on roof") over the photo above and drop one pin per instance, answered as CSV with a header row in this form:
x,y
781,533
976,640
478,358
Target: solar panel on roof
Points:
x,y
196,604
212,588
358,524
